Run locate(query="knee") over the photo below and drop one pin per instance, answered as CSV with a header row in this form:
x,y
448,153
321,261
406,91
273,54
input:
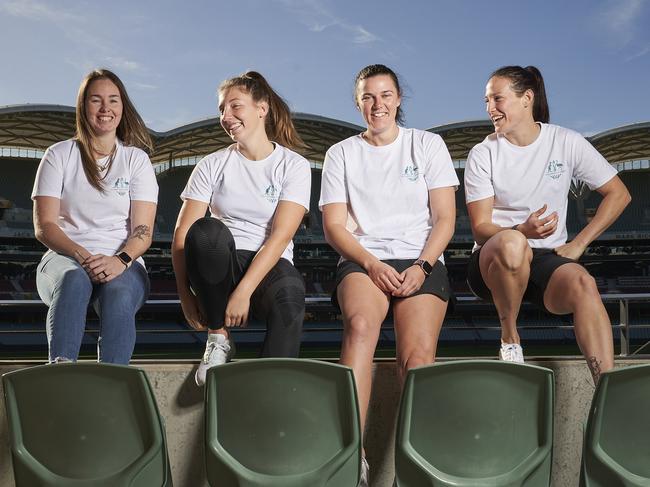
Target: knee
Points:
x,y
209,233
583,287
423,355
358,327
512,250
75,281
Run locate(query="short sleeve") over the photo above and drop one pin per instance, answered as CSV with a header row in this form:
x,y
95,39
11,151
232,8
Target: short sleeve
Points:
x,y
297,185
143,186
332,189
478,176
49,176
200,185
439,170
589,165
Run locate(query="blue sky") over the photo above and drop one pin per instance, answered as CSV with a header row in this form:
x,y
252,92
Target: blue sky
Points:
x,y
595,55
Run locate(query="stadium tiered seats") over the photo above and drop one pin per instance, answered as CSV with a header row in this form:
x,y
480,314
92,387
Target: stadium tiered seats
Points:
x,y
87,425
475,422
282,423
617,439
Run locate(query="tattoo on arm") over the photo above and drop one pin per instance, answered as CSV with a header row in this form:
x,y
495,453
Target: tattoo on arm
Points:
x,y
142,232
594,368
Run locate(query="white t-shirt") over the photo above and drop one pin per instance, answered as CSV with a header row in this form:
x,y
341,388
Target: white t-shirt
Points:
x,y
100,222
523,179
244,194
387,188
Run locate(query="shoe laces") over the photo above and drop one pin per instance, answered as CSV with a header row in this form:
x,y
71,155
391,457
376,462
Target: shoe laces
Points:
x,y
214,347
510,352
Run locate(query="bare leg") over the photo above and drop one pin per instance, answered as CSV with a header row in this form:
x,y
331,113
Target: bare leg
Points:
x,y
572,290
418,320
364,308
505,266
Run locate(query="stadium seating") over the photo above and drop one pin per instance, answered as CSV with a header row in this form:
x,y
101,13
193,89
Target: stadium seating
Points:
x,y
617,438
87,425
475,423
282,423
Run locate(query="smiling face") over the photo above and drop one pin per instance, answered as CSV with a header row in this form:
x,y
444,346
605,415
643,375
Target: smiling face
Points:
x,y
378,100
103,107
508,111
241,116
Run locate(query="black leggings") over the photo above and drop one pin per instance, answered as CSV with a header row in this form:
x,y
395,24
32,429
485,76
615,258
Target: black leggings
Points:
x,y
215,267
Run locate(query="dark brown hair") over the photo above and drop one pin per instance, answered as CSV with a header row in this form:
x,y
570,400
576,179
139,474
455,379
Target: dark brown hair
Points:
x,y
131,129
278,124
376,70
528,78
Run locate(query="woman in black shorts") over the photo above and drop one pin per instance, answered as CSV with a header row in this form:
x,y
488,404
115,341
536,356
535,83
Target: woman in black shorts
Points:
x,y
516,185
387,197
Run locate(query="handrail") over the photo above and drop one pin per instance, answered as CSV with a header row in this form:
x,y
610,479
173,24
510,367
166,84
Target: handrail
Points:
x,y
624,300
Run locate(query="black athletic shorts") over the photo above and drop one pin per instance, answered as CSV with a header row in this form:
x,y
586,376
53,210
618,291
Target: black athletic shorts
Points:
x,y
436,283
544,263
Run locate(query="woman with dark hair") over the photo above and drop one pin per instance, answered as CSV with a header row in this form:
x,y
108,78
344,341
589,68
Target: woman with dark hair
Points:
x,y
95,202
387,197
238,261
516,185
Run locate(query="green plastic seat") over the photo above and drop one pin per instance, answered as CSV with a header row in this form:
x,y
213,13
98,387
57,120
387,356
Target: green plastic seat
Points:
x,y
475,423
282,423
85,425
617,439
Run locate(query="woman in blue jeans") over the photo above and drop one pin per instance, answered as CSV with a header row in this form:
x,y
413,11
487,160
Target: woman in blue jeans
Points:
x,y
94,207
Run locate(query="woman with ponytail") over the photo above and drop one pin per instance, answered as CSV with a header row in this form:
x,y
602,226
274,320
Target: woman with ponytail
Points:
x,y
516,185
238,261
94,207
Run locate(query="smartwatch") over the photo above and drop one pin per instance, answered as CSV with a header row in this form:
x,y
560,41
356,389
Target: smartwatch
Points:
x,y
424,265
124,259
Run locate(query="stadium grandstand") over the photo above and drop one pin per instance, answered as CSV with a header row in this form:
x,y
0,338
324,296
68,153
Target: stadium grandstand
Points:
x,y
168,350
619,259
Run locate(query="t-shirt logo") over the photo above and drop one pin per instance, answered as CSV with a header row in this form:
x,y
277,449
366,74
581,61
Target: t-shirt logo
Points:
x,y
121,186
555,169
271,194
411,172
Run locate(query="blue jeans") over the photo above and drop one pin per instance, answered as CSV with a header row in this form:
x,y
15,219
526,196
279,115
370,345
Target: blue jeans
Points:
x,y
67,290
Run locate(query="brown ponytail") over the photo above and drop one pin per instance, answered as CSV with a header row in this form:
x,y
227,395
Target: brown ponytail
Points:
x,y
528,78
278,124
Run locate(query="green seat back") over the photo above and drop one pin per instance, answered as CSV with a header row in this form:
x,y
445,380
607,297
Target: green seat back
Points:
x,y
617,439
281,422
97,424
475,422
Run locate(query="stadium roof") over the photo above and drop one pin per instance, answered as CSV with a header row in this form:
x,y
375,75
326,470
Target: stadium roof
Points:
x,y
39,126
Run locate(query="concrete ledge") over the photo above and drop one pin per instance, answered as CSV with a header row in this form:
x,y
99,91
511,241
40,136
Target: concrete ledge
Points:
x,y
181,404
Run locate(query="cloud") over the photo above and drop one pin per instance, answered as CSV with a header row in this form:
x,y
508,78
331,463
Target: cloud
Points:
x,y
33,10
121,63
144,86
620,18
642,52
75,28
317,18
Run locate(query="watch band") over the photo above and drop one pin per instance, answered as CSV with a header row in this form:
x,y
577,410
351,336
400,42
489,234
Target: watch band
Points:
x,y
424,265
124,258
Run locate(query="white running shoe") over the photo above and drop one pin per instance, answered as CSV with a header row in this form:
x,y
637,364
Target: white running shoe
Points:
x,y
217,352
511,352
365,473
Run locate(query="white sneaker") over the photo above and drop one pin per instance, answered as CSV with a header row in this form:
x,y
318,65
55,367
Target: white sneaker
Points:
x,y
511,352
365,473
217,352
